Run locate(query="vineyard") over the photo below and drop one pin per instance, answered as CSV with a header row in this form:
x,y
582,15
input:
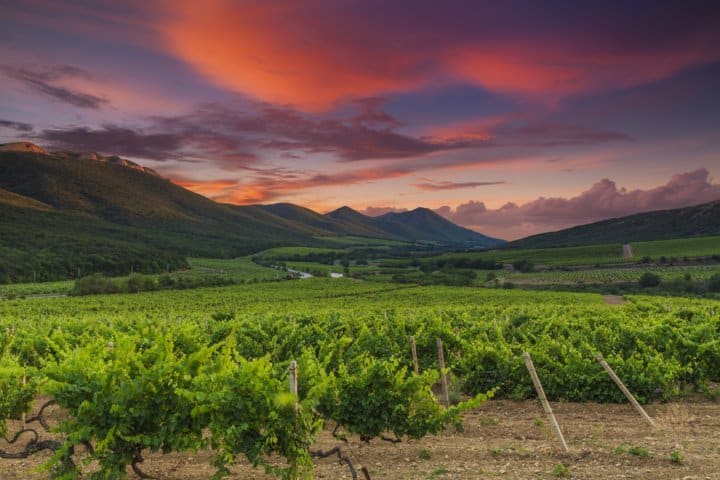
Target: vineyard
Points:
x,y
600,254
163,372
610,275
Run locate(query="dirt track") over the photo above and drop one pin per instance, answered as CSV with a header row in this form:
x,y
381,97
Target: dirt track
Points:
x,y
503,439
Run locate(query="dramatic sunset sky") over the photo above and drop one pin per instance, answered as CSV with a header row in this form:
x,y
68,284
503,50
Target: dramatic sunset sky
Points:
x,y
508,117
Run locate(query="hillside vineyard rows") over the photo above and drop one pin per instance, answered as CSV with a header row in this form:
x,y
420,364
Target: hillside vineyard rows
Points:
x,y
181,371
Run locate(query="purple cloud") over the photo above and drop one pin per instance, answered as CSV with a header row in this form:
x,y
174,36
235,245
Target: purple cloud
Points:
x,y
115,140
602,201
18,126
42,81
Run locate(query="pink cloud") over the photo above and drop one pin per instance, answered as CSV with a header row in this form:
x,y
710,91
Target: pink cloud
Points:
x,y
436,186
601,201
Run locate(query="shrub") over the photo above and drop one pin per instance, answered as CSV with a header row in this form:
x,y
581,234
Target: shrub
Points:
x,y
649,280
94,284
524,266
714,283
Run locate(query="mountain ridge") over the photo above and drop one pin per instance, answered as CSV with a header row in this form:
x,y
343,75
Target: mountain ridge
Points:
x,y
116,202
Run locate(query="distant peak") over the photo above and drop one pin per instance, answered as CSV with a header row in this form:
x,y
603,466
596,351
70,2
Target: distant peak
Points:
x,y
422,210
414,212
347,209
280,204
21,147
343,211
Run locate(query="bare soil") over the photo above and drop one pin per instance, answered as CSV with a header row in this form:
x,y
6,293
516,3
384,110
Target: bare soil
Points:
x,y
502,439
614,299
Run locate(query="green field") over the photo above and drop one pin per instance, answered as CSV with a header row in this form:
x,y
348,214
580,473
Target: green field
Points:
x,y
684,247
324,269
237,270
240,269
586,255
606,275
351,241
285,252
598,254
29,289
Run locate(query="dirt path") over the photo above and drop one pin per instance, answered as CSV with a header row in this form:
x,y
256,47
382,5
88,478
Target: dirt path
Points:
x,y
503,439
627,251
614,299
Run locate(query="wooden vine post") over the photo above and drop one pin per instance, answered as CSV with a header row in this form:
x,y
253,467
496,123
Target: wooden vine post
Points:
x,y
24,416
413,351
544,400
293,378
624,390
443,375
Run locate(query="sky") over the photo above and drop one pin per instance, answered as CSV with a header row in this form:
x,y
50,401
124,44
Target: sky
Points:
x,y
511,118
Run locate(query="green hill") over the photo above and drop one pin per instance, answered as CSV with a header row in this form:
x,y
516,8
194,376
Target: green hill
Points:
x,y
132,197
64,211
700,220
10,199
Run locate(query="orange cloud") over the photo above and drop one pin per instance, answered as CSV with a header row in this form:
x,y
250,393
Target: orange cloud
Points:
x,y
269,50
270,185
208,188
559,70
312,54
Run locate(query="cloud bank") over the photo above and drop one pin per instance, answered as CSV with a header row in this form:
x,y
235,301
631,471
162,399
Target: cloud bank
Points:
x,y
601,201
303,53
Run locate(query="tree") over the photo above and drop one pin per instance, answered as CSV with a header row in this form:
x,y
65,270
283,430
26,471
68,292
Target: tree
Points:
x,y
649,279
524,266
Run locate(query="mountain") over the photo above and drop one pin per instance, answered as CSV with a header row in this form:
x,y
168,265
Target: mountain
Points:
x,y
424,223
131,196
419,225
657,225
361,225
301,218
64,210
